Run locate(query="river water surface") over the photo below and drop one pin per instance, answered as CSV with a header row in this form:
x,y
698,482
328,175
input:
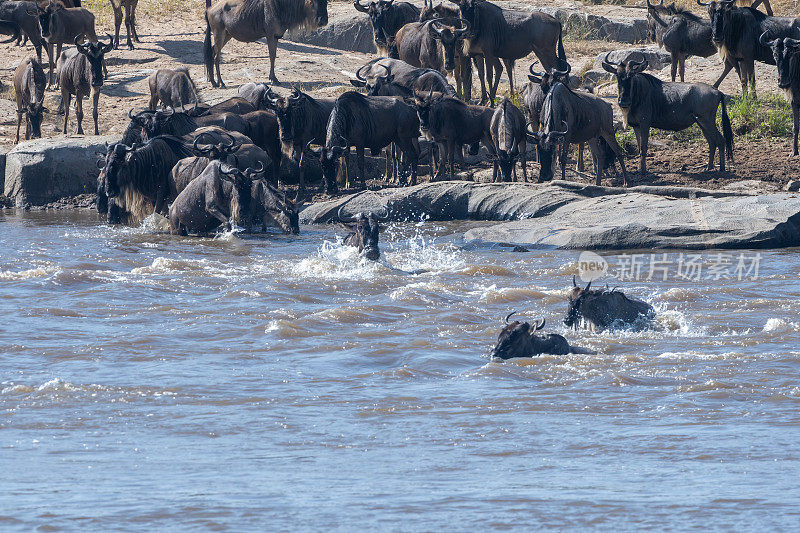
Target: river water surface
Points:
x,y
281,383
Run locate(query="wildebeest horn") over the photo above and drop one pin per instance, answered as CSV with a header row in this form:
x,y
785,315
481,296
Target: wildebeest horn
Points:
x,y
231,139
196,143
252,171
384,67
704,4
130,148
566,129
788,41
537,325
562,72
342,217
609,66
763,40
101,163
533,72
512,313
650,6
359,7
588,286
359,76
533,134
227,169
383,214
80,46
574,283
168,111
638,65
464,29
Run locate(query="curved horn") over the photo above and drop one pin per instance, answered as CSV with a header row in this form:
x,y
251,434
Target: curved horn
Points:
x,y
359,7
227,169
130,148
434,29
130,114
557,72
566,129
359,76
533,72
788,41
704,4
533,134
510,315
574,283
196,145
251,171
231,141
383,214
537,325
608,65
464,29
588,286
763,39
168,111
341,217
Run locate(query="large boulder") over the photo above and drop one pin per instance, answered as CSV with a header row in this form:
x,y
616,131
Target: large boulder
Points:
x,y
346,31
44,170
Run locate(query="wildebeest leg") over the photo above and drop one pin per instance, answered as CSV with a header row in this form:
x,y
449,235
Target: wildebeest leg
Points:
x,y
301,172
673,66
725,71
361,166
451,157
65,100
714,139
414,160
133,21
38,48
117,24
95,95
796,127
594,148
128,26
579,166
495,169
612,142
523,150
509,63
479,64
50,60
272,45
642,138
220,38
79,112
563,159
682,67
494,69
19,122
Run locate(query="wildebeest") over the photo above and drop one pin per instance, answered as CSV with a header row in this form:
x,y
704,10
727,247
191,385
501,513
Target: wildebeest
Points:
x,y
600,309
386,17
263,130
509,35
519,339
21,18
451,123
372,122
130,20
509,140
81,75
171,122
682,34
365,236
302,120
569,116
405,79
786,52
61,25
236,105
173,88
250,20
431,44
646,101
30,83
259,95
735,32
463,64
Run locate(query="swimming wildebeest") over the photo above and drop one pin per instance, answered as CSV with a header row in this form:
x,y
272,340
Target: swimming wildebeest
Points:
x,y
30,83
82,75
509,35
372,122
451,124
21,19
303,119
463,65
61,25
509,140
682,34
250,20
431,44
786,52
646,101
365,236
600,309
735,32
386,17
519,339
569,116
173,88
130,20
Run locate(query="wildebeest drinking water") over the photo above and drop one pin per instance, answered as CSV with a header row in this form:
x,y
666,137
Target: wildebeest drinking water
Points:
x,y
365,236
30,83
250,20
519,339
599,310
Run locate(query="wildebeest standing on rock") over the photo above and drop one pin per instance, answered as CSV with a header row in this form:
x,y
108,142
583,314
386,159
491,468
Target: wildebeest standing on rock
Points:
x,y
61,25
509,141
646,101
130,20
372,122
386,17
735,32
600,310
30,83
519,339
81,75
786,52
509,35
250,20
365,236
173,88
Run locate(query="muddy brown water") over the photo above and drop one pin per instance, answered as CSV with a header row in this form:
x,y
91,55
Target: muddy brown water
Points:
x,y
282,383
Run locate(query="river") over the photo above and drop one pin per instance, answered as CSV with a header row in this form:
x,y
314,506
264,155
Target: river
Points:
x,y
282,383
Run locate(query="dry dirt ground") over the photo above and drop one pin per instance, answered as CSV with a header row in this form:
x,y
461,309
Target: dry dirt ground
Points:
x,y
173,37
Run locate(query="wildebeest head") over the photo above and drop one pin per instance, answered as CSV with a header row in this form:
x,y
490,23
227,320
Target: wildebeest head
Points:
x,y
468,10
35,112
720,13
423,104
515,339
221,145
45,13
329,159
116,167
320,8
576,298
168,122
288,111
785,51
379,14
274,205
366,233
656,14
448,32
547,78
505,155
94,52
625,72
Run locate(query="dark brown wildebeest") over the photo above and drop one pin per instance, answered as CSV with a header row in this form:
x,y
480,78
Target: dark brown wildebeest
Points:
x,y
130,20
81,75
263,129
21,20
171,122
302,120
682,34
509,141
575,117
451,123
236,105
646,101
372,122
786,52
30,83
507,35
61,25
173,88
365,236
600,309
463,64
519,339
259,95
430,44
735,31
250,20
386,17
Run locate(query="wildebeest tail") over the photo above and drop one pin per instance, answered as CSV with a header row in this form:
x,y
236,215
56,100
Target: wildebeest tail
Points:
x,y
607,154
208,52
727,131
561,53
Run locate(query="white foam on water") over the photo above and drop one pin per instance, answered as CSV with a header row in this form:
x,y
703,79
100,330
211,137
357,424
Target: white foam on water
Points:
x,y
30,273
335,261
155,223
780,325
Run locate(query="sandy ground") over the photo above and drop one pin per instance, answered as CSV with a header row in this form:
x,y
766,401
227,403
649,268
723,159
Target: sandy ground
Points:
x,y
177,40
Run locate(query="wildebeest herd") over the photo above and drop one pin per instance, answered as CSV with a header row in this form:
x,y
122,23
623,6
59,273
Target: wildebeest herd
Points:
x,y
209,166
